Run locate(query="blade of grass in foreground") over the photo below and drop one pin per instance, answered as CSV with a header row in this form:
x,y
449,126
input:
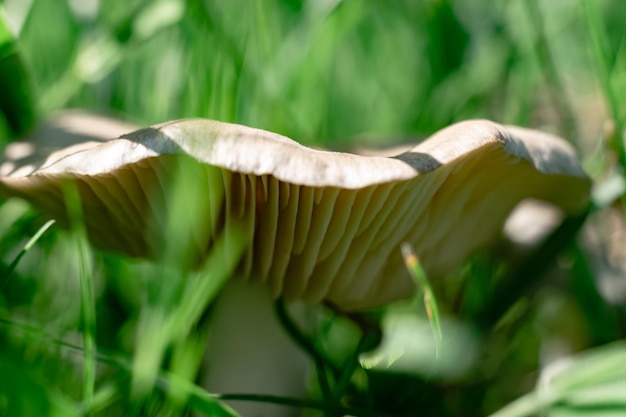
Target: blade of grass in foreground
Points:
x,y
23,252
430,302
322,364
199,400
87,302
181,290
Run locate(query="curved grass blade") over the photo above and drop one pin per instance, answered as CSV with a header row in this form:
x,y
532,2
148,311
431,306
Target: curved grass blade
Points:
x,y
23,252
322,364
87,302
430,302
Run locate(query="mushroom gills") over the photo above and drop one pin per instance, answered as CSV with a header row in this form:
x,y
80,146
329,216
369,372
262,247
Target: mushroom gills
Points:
x,y
319,225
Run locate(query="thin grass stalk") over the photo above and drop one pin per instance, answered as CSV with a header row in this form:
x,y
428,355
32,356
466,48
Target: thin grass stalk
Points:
x,y
329,408
87,301
322,364
349,368
430,301
33,240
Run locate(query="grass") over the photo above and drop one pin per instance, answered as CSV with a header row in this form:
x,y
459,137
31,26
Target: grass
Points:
x,y
84,332
87,302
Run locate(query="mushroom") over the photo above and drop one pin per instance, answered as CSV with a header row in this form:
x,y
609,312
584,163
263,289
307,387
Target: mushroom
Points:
x,y
320,226
323,226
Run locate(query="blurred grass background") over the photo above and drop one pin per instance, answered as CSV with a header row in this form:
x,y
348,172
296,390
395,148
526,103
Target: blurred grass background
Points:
x,y
327,73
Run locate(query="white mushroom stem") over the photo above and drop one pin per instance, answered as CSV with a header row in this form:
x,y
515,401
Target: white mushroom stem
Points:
x,y
531,221
249,352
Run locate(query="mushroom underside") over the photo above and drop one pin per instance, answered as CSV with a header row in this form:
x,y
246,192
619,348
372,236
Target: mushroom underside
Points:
x,y
310,242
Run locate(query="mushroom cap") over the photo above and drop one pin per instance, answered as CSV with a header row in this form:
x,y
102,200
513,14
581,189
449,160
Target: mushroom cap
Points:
x,y
322,225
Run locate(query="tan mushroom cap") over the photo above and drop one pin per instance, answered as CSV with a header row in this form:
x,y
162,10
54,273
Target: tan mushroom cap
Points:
x,y
322,225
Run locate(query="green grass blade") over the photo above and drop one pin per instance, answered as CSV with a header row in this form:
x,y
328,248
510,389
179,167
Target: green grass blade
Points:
x,y
199,400
103,398
181,289
332,409
322,364
85,275
430,301
23,252
350,367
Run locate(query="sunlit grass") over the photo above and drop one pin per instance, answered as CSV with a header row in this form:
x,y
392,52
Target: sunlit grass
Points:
x,y
87,333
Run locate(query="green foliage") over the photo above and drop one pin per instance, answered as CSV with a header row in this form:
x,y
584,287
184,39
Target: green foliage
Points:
x,y
592,383
17,107
23,395
327,73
